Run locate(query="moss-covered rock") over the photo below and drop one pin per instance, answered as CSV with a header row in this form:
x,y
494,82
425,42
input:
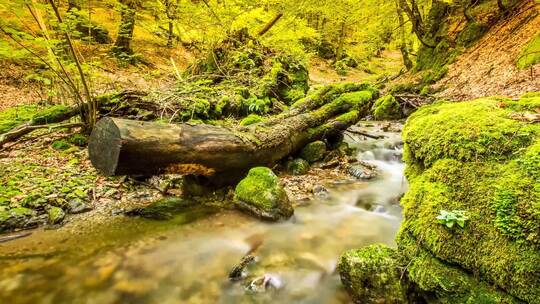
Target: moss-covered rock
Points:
x,y
16,218
482,159
478,158
313,152
261,194
468,131
373,275
56,215
297,166
251,119
162,209
386,108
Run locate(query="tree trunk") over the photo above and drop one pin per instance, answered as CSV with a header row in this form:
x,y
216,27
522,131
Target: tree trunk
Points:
x,y
341,42
403,45
125,30
125,147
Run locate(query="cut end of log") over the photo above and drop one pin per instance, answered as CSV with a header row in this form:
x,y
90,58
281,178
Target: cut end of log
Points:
x,y
104,146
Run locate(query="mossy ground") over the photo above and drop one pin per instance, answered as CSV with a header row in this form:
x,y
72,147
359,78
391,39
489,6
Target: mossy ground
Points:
x,y
530,55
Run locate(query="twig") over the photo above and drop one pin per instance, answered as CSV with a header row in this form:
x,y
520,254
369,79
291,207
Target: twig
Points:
x,y
358,132
25,129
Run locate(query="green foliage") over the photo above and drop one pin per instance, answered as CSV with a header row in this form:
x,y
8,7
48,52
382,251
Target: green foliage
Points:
x,y
450,218
530,55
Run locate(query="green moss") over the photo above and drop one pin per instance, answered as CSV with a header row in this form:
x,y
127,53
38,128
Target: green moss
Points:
x,y
15,116
530,55
78,139
487,244
15,218
386,107
251,119
60,145
297,166
261,194
373,275
444,283
467,131
471,33
163,209
56,215
474,157
51,114
314,151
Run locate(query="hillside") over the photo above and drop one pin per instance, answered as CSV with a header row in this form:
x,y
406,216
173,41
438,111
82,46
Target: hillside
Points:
x,y
490,66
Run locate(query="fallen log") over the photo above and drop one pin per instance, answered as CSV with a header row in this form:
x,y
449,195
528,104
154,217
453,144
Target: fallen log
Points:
x,y
126,147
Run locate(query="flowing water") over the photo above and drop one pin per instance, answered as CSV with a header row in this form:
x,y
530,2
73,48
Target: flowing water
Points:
x,y
130,260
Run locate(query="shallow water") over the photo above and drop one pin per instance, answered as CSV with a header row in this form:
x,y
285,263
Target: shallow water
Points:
x,y
130,260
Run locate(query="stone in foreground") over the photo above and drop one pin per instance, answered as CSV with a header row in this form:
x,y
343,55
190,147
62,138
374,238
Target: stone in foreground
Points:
x,y
261,194
372,275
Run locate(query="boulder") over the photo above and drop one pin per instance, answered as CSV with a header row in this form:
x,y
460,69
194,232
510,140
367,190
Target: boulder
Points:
x,y
56,215
373,275
313,152
261,194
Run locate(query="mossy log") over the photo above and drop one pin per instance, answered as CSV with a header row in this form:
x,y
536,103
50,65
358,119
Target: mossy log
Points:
x,y
125,147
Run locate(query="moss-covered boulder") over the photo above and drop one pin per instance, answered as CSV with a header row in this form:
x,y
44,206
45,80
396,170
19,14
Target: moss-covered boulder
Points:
x,y
261,194
386,107
482,158
297,166
373,275
313,152
56,215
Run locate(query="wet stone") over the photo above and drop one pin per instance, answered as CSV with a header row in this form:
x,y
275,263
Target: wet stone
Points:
x,y
264,283
78,206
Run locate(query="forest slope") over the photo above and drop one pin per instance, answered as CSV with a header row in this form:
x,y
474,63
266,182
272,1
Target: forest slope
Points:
x,y
490,67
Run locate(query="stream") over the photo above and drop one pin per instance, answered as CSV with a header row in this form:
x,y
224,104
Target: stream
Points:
x,y
132,260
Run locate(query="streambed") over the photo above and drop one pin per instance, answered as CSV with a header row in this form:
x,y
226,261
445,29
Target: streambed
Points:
x,y
132,260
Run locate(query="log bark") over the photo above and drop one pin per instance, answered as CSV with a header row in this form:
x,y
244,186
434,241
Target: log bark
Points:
x,y
126,147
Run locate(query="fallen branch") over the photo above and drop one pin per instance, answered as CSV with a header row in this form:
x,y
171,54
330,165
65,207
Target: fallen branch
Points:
x,y
358,132
25,129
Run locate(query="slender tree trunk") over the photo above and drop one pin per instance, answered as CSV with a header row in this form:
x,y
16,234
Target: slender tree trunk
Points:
x,y
125,30
403,46
341,42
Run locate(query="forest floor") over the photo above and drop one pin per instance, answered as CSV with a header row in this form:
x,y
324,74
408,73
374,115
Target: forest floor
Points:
x,y
489,67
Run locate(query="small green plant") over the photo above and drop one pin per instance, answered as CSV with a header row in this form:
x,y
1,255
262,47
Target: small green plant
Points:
x,y
450,218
